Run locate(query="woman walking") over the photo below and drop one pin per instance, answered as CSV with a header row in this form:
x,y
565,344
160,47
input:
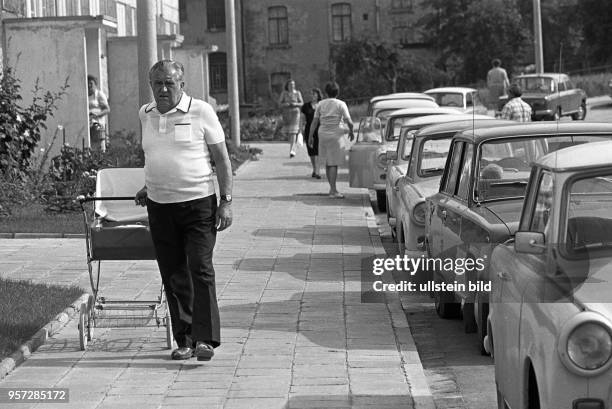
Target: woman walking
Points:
x,y
308,110
290,102
328,117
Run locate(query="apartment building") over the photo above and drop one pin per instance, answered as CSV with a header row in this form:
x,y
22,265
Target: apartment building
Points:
x,y
281,39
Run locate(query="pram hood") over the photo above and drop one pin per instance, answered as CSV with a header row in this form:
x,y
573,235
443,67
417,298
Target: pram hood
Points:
x,y
120,182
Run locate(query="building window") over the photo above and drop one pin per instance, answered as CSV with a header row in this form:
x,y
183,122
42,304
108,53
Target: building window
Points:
x,y
278,80
401,4
121,20
217,67
278,26
341,21
130,21
215,15
48,8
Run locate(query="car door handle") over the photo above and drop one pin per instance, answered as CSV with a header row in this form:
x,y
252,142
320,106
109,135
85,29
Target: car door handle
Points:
x,y
504,276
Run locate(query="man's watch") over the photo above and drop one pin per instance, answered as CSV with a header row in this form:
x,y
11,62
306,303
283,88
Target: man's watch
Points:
x,y
226,198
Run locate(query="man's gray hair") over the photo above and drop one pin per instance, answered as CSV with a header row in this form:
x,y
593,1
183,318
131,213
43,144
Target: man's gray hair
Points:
x,y
165,63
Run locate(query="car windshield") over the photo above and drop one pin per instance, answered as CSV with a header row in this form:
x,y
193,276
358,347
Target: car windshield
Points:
x,y
537,84
588,227
504,165
432,156
448,99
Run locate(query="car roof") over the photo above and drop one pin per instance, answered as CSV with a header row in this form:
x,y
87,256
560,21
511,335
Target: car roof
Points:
x,y
536,128
401,95
441,118
543,74
585,155
451,89
422,111
459,125
394,104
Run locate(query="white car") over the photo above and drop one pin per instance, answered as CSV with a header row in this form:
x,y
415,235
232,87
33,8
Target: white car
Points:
x,y
550,319
397,160
368,155
465,99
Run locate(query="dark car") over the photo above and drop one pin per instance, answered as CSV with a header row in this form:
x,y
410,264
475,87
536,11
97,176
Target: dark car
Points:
x,y
550,96
479,203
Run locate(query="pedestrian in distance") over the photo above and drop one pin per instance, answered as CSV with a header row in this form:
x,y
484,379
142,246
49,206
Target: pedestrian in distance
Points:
x,y
290,102
497,83
328,118
516,109
98,112
308,109
180,135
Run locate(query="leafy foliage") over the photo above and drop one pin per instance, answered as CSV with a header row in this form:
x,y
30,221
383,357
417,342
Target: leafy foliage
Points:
x,y
367,67
468,34
20,128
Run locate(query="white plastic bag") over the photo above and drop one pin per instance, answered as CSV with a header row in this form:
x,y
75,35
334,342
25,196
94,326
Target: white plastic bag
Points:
x,y
300,139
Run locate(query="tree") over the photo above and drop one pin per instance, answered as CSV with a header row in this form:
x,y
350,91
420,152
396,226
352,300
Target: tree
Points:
x,y
365,67
469,34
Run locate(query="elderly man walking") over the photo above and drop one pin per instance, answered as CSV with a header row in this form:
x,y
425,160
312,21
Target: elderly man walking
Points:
x,y
180,135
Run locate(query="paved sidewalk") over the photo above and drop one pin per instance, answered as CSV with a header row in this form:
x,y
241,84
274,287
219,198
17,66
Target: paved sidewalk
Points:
x,y
294,330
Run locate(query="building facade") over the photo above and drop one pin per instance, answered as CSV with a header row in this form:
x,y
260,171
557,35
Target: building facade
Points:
x,y
282,39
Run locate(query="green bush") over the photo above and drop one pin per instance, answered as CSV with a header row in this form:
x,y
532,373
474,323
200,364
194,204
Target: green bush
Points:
x,y
260,127
593,84
20,128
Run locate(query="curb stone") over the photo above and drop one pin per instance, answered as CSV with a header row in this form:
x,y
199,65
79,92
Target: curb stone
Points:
x,y
40,337
413,367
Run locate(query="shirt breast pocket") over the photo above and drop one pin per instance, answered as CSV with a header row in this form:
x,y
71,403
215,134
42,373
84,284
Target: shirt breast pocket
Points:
x,y
182,132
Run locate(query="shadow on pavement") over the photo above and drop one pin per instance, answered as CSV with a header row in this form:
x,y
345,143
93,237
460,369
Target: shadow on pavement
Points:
x,y
321,235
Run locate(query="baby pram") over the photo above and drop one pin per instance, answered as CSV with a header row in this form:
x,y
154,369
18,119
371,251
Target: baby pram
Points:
x,y
117,229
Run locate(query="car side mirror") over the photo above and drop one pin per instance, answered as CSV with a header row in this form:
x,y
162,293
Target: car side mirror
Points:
x,y
391,155
531,242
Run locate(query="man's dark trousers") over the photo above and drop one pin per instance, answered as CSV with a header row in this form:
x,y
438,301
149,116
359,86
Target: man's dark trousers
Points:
x,y
184,236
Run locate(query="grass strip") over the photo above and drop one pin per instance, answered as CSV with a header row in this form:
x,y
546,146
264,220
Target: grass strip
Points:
x,y
26,307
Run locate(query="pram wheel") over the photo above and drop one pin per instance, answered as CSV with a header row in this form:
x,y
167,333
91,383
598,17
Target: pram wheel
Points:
x,y
82,327
168,324
91,323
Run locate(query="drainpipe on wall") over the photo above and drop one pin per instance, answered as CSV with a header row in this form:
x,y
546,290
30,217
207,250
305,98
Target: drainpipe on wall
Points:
x,y
377,15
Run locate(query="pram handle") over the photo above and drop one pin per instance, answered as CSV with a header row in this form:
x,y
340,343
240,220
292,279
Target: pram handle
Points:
x,y
84,199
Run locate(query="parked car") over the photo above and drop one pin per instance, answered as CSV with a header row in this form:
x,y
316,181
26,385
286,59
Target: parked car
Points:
x,y
479,203
367,156
464,99
550,96
425,160
397,160
550,315
399,100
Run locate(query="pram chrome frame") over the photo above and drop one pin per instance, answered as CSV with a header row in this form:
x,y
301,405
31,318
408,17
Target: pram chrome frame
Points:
x,y
91,313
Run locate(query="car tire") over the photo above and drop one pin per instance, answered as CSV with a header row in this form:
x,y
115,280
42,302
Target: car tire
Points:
x,y
399,237
469,318
445,304
581,114
381,200
500,398
481,327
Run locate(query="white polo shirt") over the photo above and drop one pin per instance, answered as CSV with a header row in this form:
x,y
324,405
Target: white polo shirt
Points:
x,y
177,158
